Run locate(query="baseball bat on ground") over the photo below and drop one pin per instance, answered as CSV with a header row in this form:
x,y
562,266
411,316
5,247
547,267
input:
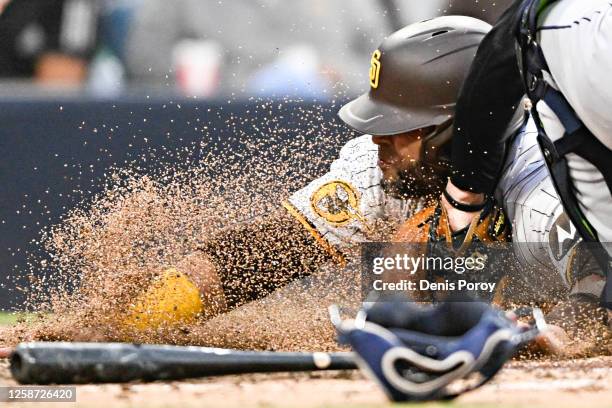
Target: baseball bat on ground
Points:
x,y
80,363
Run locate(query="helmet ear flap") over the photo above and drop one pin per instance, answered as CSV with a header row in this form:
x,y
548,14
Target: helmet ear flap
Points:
x,y
436,144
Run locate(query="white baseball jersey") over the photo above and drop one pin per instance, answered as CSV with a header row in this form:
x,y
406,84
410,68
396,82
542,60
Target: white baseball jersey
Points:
x,y
576,40
343,207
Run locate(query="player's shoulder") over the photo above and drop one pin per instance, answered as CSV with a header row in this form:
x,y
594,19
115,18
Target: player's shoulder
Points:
x,y
360,145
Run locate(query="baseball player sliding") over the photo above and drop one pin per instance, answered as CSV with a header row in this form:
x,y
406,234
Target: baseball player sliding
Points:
x,y
391,175
380,179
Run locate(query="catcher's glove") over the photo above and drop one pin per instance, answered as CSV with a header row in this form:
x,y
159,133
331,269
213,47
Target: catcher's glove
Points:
x,y
431,224
477,240
415,363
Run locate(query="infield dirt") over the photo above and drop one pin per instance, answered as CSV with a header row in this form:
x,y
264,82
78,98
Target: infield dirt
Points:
x,y
572,383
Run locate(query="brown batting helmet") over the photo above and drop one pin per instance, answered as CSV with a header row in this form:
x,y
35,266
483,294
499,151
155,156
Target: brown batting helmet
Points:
x,y
415,78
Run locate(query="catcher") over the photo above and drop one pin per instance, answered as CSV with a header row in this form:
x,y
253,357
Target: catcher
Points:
x,y
572,128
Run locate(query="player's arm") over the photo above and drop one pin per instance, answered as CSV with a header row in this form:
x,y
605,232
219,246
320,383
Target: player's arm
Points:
x,y
242,263
255,258
316,224
486,106
249,260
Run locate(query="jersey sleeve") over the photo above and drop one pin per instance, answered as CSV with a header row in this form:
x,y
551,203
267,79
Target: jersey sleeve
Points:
x,y
340,208
486,105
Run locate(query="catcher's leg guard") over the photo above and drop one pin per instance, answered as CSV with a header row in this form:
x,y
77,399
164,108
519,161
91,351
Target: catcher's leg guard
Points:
x,y
172,299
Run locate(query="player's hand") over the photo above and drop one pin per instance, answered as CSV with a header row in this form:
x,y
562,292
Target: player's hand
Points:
x,y
552,341
179,295
200,269
575,326
458,219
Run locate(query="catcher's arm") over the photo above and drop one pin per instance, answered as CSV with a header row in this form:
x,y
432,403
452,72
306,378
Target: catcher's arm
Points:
x,y
458,219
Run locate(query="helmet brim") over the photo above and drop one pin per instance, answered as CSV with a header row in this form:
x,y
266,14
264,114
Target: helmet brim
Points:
x,y
367,115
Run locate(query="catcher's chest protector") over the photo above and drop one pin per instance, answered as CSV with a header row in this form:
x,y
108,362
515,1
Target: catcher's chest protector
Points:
x,y
578,139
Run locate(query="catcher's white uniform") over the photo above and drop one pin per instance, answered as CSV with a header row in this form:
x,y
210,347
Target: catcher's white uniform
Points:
x,y
543,237
576,39
532,205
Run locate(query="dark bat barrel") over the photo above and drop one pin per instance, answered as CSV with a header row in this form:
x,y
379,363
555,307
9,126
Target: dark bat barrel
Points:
x,y
79,363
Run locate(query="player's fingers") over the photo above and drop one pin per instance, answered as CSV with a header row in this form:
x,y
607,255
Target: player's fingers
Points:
x,y
5,352
553,341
